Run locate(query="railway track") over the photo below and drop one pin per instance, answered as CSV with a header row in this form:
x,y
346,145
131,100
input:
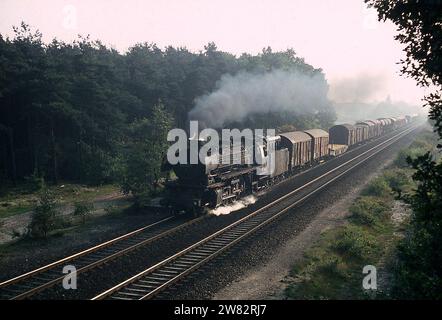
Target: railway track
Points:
x,y
157,278
37,280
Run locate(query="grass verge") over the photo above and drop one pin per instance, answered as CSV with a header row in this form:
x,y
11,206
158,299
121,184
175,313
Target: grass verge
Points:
x,y
20,200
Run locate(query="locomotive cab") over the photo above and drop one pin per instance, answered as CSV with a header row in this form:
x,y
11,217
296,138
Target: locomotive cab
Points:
x,y
217,179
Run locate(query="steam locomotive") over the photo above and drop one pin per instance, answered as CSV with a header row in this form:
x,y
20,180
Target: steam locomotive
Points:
x,y
207,184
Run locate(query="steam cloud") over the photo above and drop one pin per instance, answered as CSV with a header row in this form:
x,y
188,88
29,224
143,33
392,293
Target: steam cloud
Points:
x,y
359,97
235,97
359,88
245,202
356,111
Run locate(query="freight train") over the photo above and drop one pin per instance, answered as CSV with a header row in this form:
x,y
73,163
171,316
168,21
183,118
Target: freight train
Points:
x,y
203,186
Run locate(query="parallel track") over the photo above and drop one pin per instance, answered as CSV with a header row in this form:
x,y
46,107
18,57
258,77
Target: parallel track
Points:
x,y
150,282
32,282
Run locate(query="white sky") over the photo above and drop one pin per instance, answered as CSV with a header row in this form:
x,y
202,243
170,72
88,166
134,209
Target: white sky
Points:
x,y
342,37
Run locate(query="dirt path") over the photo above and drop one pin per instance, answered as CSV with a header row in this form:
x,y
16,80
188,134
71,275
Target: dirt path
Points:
x,y
19,222
269,281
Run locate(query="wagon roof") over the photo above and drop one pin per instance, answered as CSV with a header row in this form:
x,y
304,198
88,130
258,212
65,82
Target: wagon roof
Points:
x,y
386,120
345,125
366,123
375,121
317,133
295,136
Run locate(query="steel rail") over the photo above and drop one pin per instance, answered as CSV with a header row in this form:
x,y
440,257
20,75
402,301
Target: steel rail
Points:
x,y
32,282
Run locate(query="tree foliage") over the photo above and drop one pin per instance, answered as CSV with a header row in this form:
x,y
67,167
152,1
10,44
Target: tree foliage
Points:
x,y
419,272
69,111
83,209
44,215
145,151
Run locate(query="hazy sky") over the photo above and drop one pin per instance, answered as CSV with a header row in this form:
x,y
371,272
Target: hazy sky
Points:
x,y
342,37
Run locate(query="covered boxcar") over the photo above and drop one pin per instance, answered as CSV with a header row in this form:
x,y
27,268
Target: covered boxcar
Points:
x,y
401,121
360,133
298,144
378,127
388,124
382,125
281,162
370,128
412,117
281,159
319,146
394,125
343,134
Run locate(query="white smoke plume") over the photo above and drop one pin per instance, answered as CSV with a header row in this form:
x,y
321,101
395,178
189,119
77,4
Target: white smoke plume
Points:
x,y
235,97
237,205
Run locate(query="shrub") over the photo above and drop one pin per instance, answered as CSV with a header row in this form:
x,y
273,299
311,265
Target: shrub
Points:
x,y
421,144
331,265
398,180
356,242
368,211
83,209
34,182
377,188
111,209
413,153
43,218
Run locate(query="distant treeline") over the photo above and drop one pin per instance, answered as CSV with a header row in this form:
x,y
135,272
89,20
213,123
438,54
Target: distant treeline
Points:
x,y
78,111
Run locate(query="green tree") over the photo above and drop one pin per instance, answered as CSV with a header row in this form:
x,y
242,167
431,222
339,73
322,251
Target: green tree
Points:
x,y
44,215
144,153
419,270
83,209
419,273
